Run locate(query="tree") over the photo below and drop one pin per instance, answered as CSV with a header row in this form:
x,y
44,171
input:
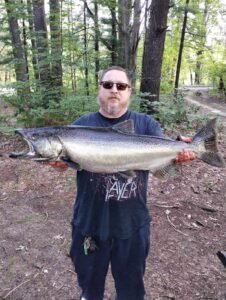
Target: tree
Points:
x,y
41,37
96,24
123,31
128,31
181,45
86,52
205,19
153,53
33,42
56,49
20,62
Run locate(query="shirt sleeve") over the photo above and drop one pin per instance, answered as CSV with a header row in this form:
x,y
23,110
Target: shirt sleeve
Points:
x,y
79,121
153,128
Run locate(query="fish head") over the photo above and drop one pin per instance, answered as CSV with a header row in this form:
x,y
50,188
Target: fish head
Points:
x,y
42,145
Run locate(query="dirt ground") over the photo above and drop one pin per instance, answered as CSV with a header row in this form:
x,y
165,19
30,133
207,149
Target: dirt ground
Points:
x,y
188,229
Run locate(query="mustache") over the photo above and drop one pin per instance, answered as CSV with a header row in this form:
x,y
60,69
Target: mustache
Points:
x,y
114,97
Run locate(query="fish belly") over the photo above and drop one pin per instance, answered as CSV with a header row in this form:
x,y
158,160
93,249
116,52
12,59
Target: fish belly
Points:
x,y
111,157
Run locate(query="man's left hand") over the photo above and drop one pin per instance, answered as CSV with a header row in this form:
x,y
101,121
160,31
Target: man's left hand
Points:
x,y
185,155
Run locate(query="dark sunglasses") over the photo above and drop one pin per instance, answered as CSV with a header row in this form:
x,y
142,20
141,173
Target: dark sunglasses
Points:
x,y
109,85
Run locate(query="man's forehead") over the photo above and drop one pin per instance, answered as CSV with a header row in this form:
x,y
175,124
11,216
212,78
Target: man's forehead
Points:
x,y
115,75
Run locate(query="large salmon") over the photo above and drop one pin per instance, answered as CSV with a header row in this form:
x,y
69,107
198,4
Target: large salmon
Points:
x,y
116,149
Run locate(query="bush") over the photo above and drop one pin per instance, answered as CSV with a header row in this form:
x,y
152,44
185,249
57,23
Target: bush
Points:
x,y
170,109
64,112
174,113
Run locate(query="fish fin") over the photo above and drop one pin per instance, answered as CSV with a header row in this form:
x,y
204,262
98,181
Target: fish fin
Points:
x,y
214,159
49,158
208,135
128,174
125,127
165,172
71,164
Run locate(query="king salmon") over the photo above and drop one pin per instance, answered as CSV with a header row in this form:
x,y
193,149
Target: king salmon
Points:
x,y
116,149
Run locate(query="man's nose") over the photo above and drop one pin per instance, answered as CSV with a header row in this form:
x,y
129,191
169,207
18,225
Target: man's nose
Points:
x,y
114,88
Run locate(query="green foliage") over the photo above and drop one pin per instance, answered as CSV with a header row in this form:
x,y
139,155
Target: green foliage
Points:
x,y
172,110
43,107
64,112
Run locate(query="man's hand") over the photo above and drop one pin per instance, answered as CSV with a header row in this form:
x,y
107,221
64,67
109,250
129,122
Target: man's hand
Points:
x,y
58,165
186,139
185,155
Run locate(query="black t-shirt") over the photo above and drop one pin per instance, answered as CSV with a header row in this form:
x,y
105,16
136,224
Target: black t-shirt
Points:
x,y
111,205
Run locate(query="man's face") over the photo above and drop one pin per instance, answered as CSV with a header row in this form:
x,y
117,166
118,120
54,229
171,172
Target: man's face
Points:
x,y
114,102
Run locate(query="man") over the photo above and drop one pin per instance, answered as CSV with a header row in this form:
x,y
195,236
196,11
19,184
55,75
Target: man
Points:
x,y
111,222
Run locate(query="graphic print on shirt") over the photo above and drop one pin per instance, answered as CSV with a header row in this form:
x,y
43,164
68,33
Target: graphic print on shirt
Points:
x,y
116,187
119,189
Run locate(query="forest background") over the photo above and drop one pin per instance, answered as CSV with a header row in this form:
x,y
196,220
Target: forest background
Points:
x,y
52,53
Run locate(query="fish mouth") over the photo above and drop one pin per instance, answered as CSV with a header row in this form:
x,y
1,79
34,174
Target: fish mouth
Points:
x,y
29,152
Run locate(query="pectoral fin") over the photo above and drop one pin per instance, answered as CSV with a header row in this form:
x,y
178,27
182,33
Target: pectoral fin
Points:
x,y
71,164
166,172
128,174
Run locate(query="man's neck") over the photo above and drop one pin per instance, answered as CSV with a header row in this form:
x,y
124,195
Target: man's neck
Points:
x,y
112,116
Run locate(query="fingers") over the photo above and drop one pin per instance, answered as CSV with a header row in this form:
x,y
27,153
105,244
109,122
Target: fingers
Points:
x,y
60,165
185,139
185,155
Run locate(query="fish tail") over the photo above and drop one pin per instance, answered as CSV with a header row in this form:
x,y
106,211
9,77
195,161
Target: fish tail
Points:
x,y
208,136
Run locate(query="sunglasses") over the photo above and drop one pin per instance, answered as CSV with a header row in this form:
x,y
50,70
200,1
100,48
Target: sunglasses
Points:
x,y
109,85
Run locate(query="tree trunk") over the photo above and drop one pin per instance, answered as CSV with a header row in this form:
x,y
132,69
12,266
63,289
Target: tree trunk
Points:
x,y
202,41
56,49
18,51
41,37
124,28
128,34
153,53
41,41
198,67
96,46
33,42
56,43
25,44
110,42
70,46
114,53
86,52
181,46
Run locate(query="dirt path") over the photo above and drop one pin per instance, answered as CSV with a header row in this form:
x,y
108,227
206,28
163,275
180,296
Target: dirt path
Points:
x,y
200,97
188,229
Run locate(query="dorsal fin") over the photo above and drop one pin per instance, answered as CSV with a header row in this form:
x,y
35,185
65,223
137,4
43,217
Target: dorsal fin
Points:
x,y
126,126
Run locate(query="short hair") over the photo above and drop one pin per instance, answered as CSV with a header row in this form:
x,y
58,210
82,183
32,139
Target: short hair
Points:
x,y
117,68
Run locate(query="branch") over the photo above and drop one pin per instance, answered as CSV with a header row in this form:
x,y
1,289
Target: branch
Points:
x,y
195,34
22,283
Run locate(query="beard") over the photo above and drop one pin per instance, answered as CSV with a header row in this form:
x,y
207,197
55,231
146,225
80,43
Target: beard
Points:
x,y
112,109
